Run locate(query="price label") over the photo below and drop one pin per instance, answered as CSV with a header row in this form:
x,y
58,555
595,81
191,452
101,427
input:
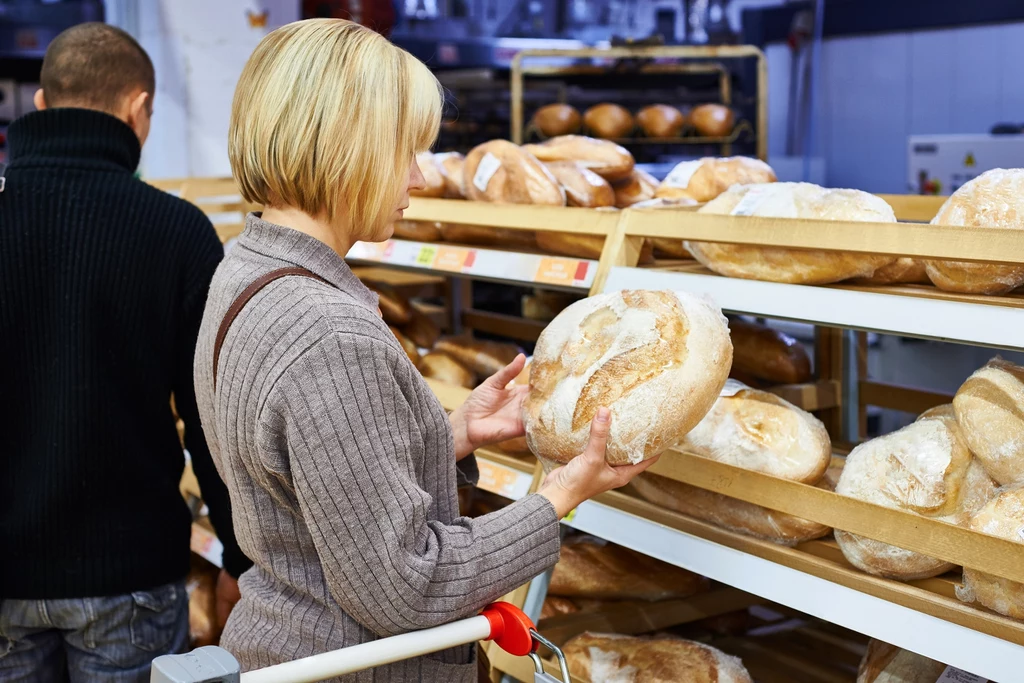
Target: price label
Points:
x,y
426,256
560,271
571,516
497,479
452,259
955,675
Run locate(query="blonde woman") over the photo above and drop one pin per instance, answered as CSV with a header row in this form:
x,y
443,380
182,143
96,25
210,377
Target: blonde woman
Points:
x,y
341,464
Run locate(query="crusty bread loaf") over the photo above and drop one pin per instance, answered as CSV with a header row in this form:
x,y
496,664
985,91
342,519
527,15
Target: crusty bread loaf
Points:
x,y
608,120
610,658
501,172
995,199
584,246
610,161
481,356
665,247
902,271
925,468
421,329
582,186
594,568
885,663
638,186
454,183
442,367
732,513
407,345
485,236
555,606
557,119
394,307
704,179
660,121
989,407
767,354
417,231
627,351
1003,516
799,266
762,432
433,175
712,120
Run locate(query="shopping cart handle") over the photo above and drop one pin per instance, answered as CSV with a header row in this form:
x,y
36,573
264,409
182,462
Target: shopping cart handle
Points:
x,y
206,665
510,628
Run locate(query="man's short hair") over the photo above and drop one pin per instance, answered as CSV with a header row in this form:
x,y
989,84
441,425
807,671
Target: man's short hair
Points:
x,y
95,65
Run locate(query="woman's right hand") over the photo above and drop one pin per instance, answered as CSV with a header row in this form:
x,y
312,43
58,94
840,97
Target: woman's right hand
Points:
x,y
589,474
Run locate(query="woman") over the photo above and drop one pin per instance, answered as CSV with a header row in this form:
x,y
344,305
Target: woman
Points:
x,y
341,464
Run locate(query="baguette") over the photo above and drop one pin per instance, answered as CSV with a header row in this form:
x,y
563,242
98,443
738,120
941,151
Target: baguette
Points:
x,y
480,356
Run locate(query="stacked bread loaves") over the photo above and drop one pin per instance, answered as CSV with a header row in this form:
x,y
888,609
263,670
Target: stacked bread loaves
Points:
x,y
610,161
704,179
793,200
885,663
608,658
1003,516
626,351
501,172
989,407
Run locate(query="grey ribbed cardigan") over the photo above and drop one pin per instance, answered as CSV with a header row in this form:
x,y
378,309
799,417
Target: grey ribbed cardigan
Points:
x,y
341,469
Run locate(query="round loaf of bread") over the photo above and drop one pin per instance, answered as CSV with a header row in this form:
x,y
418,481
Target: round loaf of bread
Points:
x,y
612,658
608,120
990,409
501,172
704,179
712,120
610,161
902,271
557,119
924,468
885,663
582,186
798,266
1003,516
638,186
453,163
660,121
630,352
433,176
767,354
995,199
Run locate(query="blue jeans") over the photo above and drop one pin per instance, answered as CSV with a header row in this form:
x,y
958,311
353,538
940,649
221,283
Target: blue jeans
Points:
x,y
91,639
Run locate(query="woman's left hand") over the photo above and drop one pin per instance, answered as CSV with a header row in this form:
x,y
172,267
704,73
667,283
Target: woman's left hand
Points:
x,y
492,413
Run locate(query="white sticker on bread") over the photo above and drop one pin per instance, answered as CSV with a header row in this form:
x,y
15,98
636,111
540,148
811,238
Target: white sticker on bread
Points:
x,y
681,174
488,166
955,675
732,387
753,199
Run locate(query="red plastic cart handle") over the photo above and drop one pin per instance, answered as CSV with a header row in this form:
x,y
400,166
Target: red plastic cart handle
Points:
x,y
510,629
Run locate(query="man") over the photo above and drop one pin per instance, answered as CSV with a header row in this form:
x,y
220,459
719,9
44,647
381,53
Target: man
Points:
x,y
103,280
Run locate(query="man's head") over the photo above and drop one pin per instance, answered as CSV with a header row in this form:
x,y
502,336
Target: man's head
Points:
x,y
97,66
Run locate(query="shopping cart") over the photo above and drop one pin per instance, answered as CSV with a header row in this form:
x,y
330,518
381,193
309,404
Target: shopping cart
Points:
x,y
503,623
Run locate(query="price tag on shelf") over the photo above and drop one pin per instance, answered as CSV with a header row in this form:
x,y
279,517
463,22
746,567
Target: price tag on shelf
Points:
x,y
371,251
426,256
560,271
452,259
571,516
497,478
955,675
205,544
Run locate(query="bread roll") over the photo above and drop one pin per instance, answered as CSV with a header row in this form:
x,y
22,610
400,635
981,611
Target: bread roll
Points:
x,y
557,119
885,663
995,199
555,606
628,351
433,175
766,353
484,236
407,345
732,513
661,121
453,163
798,266
990,409
638,186
421,329
610,161
417,231
394,307
902,271
611,658
1003,517
712,120
608,121
594,568
444,368
479,355
500,172
704,179
582,186
584,246
924,468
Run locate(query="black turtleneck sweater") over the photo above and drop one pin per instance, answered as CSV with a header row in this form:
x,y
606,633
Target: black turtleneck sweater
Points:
x,y
103,281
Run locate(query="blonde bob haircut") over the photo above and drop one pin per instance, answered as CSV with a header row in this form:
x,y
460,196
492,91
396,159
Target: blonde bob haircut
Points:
x,y
327,117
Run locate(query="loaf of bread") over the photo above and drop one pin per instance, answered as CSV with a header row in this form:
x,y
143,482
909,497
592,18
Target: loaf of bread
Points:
x,y
731,513
582,186
885,663
665,247
394,307
712,120
418,231
902,271
444,368
484,236
594,568
660,121
767,354
995,199
557,119
989,407
924,468
453,163
503,173
798,266
433,175
638,186
704,179
1003,517
608,120
421,329
407,345
481,356
584,246
555,606
610,161
611,658
628,351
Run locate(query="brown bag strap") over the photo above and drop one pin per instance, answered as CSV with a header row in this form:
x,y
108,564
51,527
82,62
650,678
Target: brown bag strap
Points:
x,y
248,293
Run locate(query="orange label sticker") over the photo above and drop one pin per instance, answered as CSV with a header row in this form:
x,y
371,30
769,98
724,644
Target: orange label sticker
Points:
x,y
451,259
497,479
556,271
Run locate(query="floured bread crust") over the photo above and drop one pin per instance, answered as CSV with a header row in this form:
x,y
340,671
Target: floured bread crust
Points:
x,y
885,663
989,407
608,658
704,179
1003,517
